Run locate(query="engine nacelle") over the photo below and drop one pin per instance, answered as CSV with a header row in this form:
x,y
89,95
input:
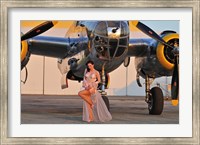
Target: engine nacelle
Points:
x,y
164,53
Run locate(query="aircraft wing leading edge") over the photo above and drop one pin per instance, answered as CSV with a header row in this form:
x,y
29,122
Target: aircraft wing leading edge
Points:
x,y
138,47
57,47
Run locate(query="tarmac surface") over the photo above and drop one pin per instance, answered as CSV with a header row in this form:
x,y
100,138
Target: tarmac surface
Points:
x,y
68,110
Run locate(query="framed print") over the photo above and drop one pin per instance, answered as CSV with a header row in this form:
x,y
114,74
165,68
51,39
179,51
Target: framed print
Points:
x,y
17,128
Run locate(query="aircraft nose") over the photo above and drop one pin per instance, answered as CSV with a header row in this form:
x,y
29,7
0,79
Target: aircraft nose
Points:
x,y
108,28
111,38
101,29
112,29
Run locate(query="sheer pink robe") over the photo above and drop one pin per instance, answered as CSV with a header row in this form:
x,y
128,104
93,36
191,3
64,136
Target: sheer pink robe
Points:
x,y
100,111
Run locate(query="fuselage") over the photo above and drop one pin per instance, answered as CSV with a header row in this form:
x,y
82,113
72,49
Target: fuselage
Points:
x,y
107,44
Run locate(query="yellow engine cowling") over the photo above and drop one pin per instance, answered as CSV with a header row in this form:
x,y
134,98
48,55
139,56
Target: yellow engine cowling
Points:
x,y
25,54
24,49
161,48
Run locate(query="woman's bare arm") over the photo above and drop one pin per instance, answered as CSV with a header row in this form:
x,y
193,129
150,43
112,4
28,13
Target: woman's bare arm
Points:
x,y
98,77
84,81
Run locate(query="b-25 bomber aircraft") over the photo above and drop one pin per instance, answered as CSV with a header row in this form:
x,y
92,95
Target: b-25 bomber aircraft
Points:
x,y
108,44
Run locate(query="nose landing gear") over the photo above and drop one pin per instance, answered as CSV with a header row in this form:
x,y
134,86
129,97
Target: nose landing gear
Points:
x,y
102,89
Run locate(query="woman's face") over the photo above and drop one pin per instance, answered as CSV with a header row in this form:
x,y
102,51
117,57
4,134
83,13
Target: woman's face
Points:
x,y
90,66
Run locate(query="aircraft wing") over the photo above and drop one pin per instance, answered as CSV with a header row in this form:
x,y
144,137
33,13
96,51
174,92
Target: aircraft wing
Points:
x,y
56,46
139,47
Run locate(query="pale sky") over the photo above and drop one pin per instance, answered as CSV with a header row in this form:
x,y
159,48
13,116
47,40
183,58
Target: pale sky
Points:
x,y
160,25
157,25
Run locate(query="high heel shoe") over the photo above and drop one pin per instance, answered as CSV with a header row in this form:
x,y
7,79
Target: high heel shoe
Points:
x,y
89,121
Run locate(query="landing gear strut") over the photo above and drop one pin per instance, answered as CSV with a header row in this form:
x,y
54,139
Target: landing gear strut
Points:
x,y
103,92
154,98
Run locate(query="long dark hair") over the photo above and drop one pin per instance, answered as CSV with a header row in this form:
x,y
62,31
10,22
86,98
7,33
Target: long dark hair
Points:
x,y
89,61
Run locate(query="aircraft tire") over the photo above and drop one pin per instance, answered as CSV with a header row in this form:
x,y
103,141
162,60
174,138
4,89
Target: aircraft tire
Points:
x,y
106,100
156,103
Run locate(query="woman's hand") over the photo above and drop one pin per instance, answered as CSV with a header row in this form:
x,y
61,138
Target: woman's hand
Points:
x,y
97,83
88,87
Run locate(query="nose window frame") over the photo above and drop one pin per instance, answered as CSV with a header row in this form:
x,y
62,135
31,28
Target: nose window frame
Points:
x,y
104,47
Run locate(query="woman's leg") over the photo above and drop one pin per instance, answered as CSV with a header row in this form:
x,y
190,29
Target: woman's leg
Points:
x,y
92,91
85,95
90,112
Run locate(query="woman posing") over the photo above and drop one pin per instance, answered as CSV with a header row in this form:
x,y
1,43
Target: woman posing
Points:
x,y
94,108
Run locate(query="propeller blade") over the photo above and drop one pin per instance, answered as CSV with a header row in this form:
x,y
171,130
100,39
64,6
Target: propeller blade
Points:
x,y
175,83
38,29
175,77
148,31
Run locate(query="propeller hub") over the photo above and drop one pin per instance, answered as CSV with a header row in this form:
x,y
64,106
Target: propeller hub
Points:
x,y
175,51
170,53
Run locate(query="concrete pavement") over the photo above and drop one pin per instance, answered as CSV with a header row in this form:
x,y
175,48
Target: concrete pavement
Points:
x,y
68,110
